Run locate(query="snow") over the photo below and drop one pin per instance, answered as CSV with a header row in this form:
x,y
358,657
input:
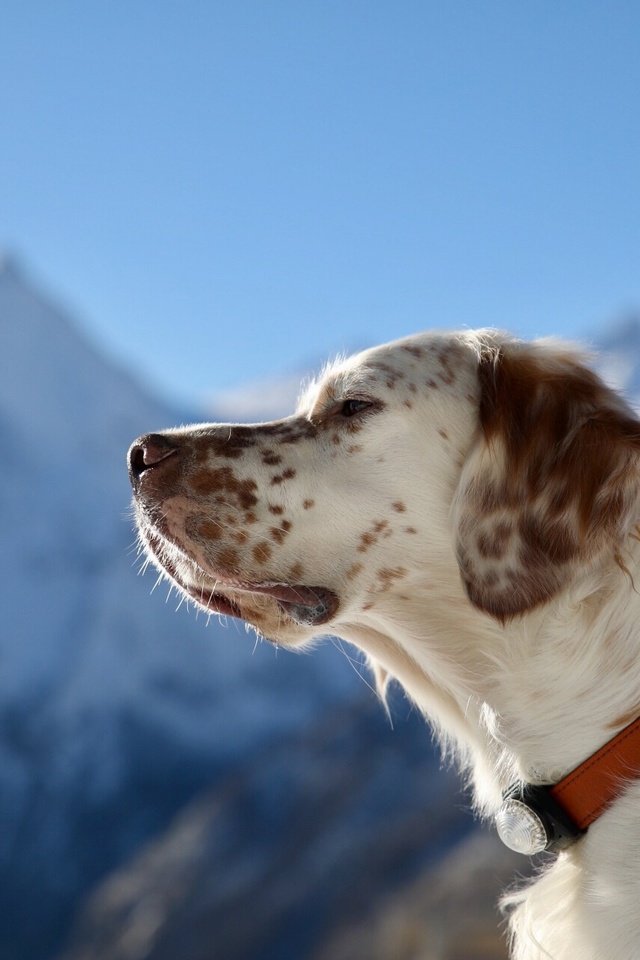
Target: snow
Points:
x,y
265,399
88,652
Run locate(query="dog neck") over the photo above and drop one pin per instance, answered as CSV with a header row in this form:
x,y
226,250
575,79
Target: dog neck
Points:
x,y
528,700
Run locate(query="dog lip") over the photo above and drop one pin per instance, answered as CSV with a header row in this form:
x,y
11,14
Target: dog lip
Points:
x,y
313,613
213,601
308,606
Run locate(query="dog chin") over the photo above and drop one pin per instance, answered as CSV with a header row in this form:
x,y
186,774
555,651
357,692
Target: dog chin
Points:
x,y
257,602
305,606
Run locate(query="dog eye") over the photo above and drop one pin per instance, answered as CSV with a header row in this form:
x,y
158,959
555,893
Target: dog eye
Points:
x,y
351,407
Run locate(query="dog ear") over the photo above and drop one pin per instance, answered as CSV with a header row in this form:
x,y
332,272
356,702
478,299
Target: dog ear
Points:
x,y
551,482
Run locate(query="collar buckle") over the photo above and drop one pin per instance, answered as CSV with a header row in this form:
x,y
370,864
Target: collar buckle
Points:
x,y
531,821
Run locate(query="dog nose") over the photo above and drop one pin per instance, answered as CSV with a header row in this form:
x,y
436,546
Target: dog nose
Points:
x,y
147,452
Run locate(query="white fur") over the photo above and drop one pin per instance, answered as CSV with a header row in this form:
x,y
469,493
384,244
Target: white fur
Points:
x,y
526,696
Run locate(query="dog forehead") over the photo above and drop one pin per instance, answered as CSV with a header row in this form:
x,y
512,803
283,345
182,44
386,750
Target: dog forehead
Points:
x,y
423,347
428,359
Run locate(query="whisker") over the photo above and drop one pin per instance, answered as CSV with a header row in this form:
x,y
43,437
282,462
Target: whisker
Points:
x,y
159,580
355,664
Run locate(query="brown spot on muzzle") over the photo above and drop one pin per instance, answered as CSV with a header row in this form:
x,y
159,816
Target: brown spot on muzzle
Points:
x,y
290,430
229,560
262,552
198,527
229,442
223,479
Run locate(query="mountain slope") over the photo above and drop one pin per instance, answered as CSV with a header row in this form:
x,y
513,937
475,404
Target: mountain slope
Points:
x,y
302,841
113,710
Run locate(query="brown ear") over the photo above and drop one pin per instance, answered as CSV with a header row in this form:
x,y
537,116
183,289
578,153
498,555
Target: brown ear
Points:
x,y
552,481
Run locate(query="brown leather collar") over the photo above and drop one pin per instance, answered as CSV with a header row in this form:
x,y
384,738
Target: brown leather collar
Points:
x,y
534,818
588,790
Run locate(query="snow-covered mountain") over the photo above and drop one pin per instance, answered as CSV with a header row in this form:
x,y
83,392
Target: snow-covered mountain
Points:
x,y
618,356
113,710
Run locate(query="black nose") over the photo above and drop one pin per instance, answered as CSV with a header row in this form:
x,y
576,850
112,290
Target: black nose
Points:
x,y
147,452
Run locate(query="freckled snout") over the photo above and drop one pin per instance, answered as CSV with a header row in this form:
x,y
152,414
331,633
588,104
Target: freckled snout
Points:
x,y
148,452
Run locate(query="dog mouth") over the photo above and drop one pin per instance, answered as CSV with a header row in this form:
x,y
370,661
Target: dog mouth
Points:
x,y
309,606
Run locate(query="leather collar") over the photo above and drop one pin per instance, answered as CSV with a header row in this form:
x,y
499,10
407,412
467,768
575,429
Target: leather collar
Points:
x,y
536,818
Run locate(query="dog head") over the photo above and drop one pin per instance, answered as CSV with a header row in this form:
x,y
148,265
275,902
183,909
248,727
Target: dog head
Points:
x,y
409,472
298,524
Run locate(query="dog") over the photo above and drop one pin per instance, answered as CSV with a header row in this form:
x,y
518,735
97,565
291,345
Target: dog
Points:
x,y
463,508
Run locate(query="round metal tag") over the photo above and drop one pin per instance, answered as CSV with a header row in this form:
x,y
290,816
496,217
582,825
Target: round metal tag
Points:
x,y
520,828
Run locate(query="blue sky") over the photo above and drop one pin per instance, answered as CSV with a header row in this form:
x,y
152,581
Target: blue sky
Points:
x,y
228,190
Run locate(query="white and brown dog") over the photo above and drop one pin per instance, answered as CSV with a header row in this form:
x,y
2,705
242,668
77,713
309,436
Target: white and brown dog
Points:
x,y
462,507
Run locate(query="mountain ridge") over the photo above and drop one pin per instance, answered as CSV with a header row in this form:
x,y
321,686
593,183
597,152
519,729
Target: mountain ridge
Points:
x,y
98,683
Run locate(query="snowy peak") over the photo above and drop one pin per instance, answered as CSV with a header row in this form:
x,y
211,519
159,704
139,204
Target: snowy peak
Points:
x,y
618,346
55,387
